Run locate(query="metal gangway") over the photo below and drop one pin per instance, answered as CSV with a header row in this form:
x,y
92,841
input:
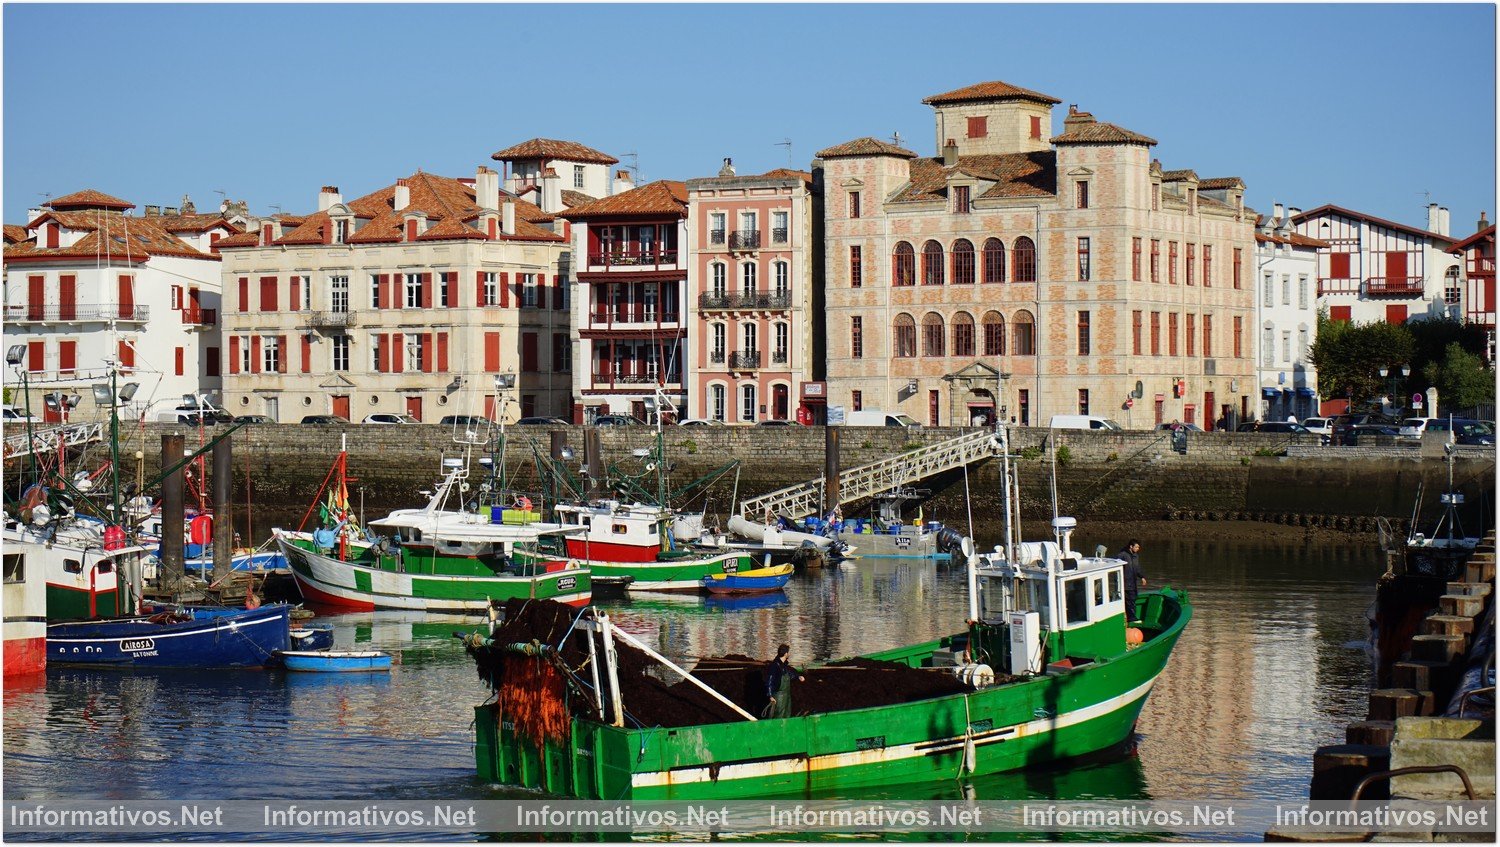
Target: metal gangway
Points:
x,y
44,441
864,481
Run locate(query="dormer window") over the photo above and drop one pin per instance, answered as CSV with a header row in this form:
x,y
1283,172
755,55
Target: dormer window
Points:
x,y
961,199
340,231
978,127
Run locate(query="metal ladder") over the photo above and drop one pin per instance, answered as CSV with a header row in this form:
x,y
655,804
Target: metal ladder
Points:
x,y
858,483
44,441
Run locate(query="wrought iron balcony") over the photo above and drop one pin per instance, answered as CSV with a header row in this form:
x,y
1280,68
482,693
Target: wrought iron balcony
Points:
x,y
332,320
716,357
41,313
634,258
778,235
200,318
756,300
778,357
1377,285
716,236
744,239
744,360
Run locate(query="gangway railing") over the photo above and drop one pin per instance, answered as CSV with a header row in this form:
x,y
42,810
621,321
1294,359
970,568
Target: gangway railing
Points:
x,y
858,483
44,441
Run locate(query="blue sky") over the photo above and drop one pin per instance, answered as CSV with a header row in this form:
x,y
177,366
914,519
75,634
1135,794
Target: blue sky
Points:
x,y
1366,106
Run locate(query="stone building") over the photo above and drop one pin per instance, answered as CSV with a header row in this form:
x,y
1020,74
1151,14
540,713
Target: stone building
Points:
x,y
1030,274
750,297
86,283
410,299
1286,321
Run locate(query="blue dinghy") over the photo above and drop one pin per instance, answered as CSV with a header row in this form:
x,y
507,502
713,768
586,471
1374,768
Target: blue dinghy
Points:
x,y
322,661
241,639
755,581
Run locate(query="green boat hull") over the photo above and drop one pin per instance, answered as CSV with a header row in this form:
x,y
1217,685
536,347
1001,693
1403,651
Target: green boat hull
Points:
x,y
67,604
1044,718
682,574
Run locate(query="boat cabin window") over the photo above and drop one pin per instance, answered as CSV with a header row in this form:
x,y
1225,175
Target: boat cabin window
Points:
x,y
72,566
1114,586
619,528
1075,600
15,567
1098,591
416,534
105,567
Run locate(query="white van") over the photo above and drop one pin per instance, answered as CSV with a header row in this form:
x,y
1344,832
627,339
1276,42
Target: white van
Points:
x,y
1084,422
874,417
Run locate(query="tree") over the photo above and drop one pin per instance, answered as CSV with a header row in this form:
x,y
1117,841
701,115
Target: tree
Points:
x,y
1432,337
1349,357
1462,380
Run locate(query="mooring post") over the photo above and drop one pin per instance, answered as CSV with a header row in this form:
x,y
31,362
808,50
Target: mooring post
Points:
x,y
172,570
595,453
830,469
612,664
223,508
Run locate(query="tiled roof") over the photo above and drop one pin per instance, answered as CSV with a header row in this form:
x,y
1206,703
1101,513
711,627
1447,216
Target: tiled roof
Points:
x,y
15,233
1486,233
866,146
88,199
111,234
1219,183
1292,238
1179,175
663,197
1361,216
1081,128
250,238
989,91
1013,174
575,198
788,173
193,223
448,229
548,148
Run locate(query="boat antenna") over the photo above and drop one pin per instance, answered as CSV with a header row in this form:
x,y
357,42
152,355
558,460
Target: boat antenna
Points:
x,y
1052,436
1005,488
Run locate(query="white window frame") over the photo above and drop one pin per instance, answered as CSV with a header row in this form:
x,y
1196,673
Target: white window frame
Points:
x,y
270,353
578,176
413,291
411,352
749,277
491,289
717,400
719,278
783,335
530,291
781,221
748,402
719,336
339,353
338,294
782,271
750,335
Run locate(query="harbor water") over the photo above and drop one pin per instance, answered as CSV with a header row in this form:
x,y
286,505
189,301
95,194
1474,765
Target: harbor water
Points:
x,y
1272,665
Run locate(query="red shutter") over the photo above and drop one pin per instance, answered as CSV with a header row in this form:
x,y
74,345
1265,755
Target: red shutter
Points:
x,y
179,361
478,288
1341,313
450,285
244,294
411,230
504,290
557,292
52,236
67,291
36,355
127,296
234,354
427,361
492,352
306,355
268,294
295,298
442,352
283,353
489,407
127,355
427,290
393,346
211,361
528,352
1395,270
36,297
67,356
255,359
1395,314
1338,266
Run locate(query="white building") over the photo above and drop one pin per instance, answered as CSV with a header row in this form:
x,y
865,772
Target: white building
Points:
x,y
1373,269
1286,318
86,283
555,174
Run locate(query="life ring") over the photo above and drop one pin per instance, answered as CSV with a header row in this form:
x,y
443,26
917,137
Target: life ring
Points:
x,y
201,529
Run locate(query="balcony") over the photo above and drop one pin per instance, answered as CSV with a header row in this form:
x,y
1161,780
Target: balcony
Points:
x,y
632,319
778,235
716,357
778,357
200,318
757,300
633,258
332,320
1335,285
77,313
744,360
637,382
716,236
1395,285
744,239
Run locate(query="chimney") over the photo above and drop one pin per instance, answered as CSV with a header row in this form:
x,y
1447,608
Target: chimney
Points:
x,y
1292,212
328,197
508,217
728,169
187,205
623,182
152,211
486,188
551,196
1483,223
950,154
1278,214
1443,220
1433,217
33,214
169,210
403,195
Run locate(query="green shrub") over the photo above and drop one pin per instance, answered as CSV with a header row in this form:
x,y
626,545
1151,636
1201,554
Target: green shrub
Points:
x,y
1245,460
1112,457
690,446
912,445
1031,453
1064,455
1267,451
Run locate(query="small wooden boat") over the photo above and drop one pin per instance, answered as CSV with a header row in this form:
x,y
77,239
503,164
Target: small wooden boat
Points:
x,y
323,661
773,578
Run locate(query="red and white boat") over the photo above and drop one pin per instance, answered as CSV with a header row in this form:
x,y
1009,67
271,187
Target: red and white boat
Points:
x,y
25,605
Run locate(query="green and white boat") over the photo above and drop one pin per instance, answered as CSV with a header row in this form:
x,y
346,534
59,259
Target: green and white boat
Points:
x,y
1052,622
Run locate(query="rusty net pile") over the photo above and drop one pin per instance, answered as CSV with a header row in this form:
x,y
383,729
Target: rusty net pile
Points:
x,y
538,691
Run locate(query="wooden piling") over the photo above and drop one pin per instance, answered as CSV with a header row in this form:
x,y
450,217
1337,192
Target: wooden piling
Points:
x,y
223,507
172,523
1338,768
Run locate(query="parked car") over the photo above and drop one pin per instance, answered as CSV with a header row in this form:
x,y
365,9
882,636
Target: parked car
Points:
x,y
12,415
1321,426
1414,427
476,422
325,420
1342,424
1474,432
1084,422
875,417
1284,427
208,415
698,422
254,419
1168,427
777,423
542,421
1366,433
388,418
618,420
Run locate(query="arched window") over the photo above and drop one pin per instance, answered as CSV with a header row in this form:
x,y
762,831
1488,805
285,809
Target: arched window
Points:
x,y
933,341
963,334
747,279
783,336
783,277
994,334
904,336
932,263
1023,264
716,409
963,262
1452,291
749,333
1023,328
720,275
903,265
747,402
994,260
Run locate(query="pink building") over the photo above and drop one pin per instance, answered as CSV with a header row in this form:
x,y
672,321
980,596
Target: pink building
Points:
x,y
750,293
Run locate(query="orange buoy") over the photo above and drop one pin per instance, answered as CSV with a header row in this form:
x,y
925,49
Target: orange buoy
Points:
x,y
1134,636
201,529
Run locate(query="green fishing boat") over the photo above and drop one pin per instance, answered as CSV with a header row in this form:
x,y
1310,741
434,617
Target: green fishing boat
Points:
x,y
1048,669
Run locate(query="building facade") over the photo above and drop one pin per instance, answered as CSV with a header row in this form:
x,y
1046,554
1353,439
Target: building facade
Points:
x,y
1478,255
750,295
86,284
1379,270
1027,275
1286,321
555,175
631,256
411,299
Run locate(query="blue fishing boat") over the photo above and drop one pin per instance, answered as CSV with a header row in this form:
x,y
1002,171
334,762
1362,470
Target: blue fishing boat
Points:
x,y
364,661
173,639
736,602
756,581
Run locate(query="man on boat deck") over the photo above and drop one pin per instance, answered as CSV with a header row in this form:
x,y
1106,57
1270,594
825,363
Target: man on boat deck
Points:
x,y
779,683
1133,576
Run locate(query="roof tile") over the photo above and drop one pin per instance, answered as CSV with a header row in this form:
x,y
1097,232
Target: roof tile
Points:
x,y
548,148
1013,174
663,197
88,199
994,90
866,146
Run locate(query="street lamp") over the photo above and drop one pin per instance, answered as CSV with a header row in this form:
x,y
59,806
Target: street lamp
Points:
x,y
1393,375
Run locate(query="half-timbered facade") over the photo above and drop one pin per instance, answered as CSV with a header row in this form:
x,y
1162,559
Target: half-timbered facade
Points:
x,y
1478,255
411,299
1028,274
87,283
631,259
1379,270
1286,319
750,296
